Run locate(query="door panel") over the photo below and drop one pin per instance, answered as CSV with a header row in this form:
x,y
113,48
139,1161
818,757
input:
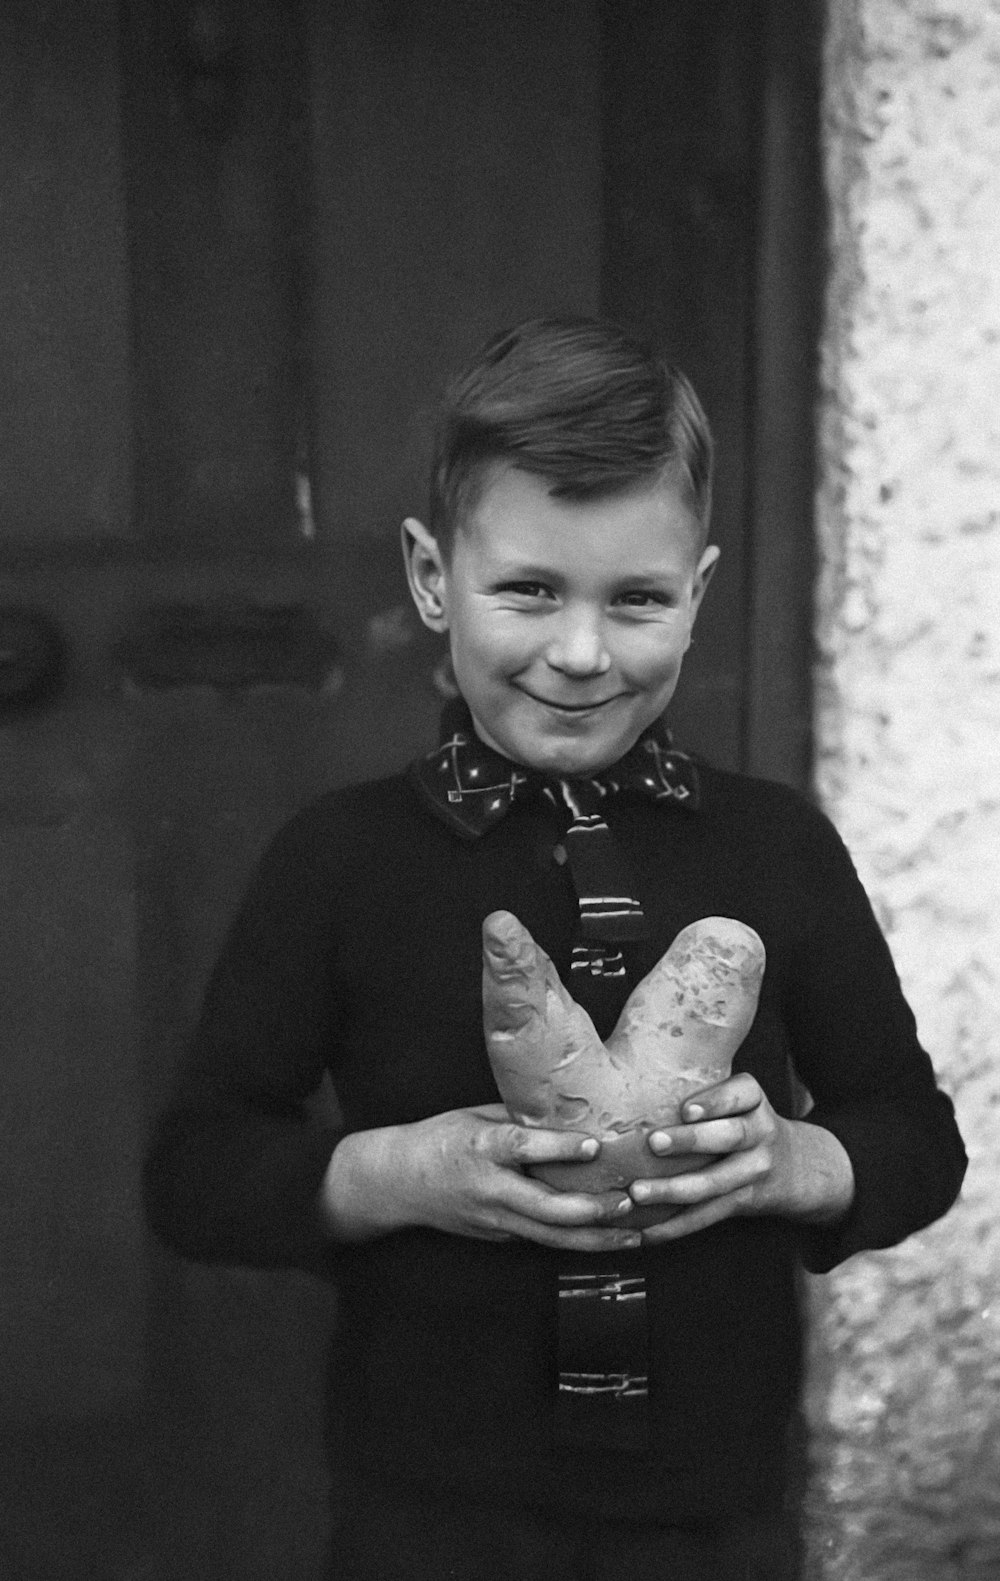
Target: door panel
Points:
x,y
64,400
456,184
71,1133
72,1325
211,155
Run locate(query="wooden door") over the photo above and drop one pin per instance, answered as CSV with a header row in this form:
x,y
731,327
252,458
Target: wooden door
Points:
x,y
245,240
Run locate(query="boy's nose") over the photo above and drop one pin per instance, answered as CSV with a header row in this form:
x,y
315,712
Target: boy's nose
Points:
x,y
578,647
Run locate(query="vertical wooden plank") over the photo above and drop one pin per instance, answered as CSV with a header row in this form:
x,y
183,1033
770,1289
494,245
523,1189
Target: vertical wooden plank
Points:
x,y
64,426
212,176
72,1319
681,90
456,188
778,730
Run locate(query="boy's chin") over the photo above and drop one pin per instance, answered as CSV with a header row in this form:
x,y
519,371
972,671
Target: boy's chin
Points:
x,y
571,759
562,748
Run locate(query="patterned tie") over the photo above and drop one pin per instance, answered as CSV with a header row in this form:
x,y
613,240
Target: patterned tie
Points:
x,y
602,1328
610,913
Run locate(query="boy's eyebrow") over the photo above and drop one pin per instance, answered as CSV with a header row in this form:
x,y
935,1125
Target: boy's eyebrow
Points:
x,y
502,569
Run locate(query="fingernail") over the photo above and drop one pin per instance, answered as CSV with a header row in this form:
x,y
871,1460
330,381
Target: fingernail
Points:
x,y
661,1140
630,1241
624,1205
694,1111
640,1193
590,1147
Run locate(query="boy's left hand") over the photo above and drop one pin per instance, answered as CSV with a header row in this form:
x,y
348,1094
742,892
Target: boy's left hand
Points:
x,y
763,1164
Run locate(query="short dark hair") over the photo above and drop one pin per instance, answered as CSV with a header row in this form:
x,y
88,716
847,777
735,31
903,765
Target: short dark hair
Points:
x,y
576,401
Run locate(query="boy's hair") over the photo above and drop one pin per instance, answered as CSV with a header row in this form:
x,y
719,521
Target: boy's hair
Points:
x,y
575,401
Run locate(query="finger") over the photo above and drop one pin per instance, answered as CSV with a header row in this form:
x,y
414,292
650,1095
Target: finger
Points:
x,y
733,1204
532,1199
710,1136
733,1173
736,1095
520,1146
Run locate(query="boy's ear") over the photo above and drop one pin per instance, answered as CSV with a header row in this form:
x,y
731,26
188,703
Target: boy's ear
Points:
x,y
425,573
703,573
702,577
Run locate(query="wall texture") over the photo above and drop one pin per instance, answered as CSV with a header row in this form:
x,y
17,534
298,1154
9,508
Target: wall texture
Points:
x,y
904,1402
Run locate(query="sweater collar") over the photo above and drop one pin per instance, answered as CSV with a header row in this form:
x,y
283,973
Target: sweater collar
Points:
x,y
471,787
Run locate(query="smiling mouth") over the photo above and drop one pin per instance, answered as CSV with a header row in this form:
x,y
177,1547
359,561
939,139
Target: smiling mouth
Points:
x,y
572,708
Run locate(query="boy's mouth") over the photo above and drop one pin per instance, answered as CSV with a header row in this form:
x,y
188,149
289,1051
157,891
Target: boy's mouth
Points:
x,y
571,708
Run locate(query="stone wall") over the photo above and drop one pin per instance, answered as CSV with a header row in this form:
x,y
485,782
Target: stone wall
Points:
x,y
904,1401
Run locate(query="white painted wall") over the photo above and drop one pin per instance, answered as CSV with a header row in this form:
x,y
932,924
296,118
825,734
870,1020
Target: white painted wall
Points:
x,y
905,1394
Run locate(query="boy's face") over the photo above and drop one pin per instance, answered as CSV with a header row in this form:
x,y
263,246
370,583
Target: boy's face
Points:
x,y
568,620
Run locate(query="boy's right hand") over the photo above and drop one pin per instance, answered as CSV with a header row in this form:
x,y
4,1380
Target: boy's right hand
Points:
x,y
463,1172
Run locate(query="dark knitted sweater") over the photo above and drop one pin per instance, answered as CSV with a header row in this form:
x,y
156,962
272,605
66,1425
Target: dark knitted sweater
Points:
x,y
358,951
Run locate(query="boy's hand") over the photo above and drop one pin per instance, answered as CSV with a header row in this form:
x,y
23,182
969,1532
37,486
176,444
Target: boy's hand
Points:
x,y
764,1164
463,1172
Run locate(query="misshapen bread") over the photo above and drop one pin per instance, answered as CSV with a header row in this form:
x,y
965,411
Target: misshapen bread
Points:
x,y
677,1035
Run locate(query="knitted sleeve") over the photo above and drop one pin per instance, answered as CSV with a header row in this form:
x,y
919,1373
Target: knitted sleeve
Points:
x,y
236,1162
856,1050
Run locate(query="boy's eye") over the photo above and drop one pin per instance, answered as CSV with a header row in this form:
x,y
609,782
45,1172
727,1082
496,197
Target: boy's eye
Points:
x,y
526,589
643,597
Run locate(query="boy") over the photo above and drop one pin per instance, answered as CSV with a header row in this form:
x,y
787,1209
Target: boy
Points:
x,y
566,556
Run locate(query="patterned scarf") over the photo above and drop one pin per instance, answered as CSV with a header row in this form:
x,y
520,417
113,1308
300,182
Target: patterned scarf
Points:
x,y
471,787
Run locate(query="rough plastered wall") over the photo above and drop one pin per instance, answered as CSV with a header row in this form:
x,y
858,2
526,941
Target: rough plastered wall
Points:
x,y
904,1402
